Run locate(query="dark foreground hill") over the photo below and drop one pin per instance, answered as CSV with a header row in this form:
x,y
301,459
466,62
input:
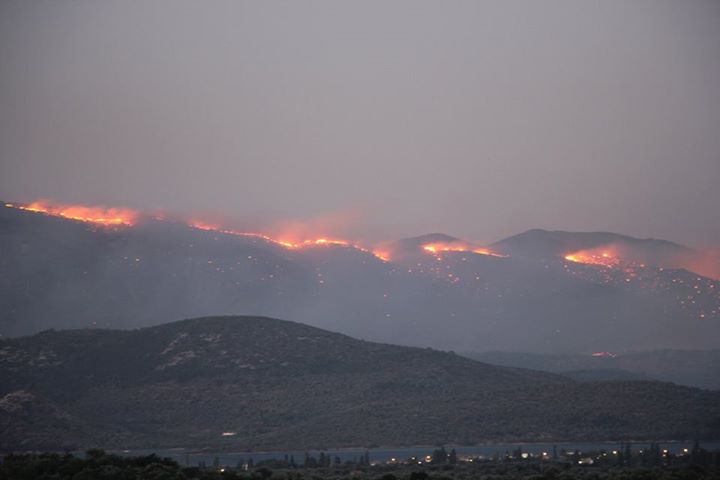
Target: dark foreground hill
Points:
x,y
253,382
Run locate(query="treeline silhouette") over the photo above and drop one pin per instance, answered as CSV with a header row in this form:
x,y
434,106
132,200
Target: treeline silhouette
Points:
x,y
622,464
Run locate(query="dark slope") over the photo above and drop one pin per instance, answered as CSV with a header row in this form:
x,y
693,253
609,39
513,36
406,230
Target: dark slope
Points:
x,y
699,368
56,273
279,384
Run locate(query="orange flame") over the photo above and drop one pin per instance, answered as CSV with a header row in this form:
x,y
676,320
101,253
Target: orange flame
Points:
x,y
320,242
605,258
125,217
439,247
97,215
383,255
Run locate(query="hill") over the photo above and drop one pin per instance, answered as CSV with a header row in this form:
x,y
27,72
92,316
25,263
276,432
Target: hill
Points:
x,y
251,382
697,368
540,243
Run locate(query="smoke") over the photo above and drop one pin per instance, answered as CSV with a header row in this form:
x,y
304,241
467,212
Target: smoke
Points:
x,y
705,262
60,274
651,253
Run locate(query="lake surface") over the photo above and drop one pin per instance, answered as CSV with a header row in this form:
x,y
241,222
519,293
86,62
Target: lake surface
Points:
x,y
383,454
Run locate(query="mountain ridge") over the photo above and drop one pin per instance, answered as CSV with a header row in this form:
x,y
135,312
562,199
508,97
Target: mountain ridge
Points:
x,y
556,242
697,368
158,271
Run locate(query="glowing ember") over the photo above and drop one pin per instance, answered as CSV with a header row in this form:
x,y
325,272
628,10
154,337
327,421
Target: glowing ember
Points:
x,y
216,228
82,213
439,247
325,241
609,266
203,226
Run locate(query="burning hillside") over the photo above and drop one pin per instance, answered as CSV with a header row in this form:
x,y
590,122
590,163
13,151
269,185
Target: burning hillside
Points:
x,y
289,244
440,247
616,256
96,215
124,217
602,257
616,266
624,256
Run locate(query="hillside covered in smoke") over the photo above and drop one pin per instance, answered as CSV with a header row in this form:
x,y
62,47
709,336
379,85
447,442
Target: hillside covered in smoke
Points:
x,y
538,291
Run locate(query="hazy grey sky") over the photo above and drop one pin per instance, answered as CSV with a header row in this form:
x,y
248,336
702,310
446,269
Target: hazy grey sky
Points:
x,y
384,118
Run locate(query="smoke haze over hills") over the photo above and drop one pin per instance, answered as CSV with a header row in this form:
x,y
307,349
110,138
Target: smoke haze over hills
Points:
x,y
523,293
385,121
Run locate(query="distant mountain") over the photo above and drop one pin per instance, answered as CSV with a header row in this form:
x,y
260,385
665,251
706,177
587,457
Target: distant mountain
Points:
x,y
435,290
684,367
415,245
543,244
539,243
250,382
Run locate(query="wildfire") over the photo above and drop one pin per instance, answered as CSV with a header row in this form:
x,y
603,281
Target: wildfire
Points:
x,y
383,255
604,258
315,242
97,215
199,225
440,247
123,217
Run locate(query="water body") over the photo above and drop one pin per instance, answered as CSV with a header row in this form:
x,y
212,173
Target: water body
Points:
x,y
194,457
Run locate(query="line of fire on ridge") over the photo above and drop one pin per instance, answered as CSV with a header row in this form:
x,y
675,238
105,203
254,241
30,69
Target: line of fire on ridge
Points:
x,y
125,217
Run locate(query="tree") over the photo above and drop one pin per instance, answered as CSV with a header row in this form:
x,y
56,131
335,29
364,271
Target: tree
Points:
x,y
452,458
264,472
95,453
628,454
440,455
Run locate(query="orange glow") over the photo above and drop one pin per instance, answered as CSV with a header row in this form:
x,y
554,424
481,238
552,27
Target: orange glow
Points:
x,y
203,226
83,213
383,255
123,217
617,255
439,247
315,242
200,225
603,257
324,241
